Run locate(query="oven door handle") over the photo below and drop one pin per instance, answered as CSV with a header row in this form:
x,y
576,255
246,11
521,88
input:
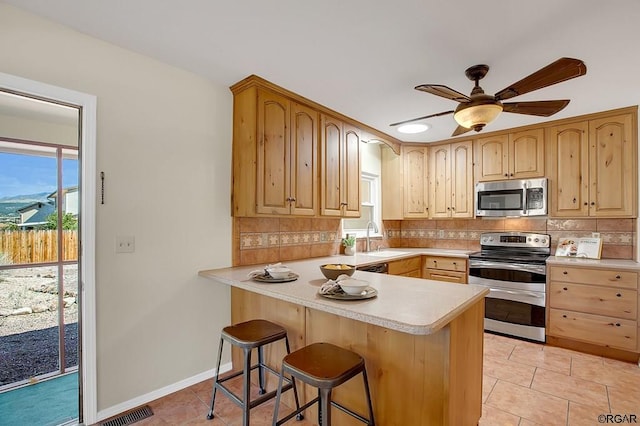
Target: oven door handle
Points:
x,y
487,264
518,293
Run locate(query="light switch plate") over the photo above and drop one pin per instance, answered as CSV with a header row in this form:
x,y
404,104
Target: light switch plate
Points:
x,y
125,244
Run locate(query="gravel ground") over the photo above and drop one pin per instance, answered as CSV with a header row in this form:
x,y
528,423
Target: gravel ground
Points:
x,y
29,341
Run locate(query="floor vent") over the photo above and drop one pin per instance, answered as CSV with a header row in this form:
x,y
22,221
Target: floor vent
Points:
x,y
130,417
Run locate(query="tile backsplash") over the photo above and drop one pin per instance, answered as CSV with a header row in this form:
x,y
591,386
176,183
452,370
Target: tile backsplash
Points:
x,y
268,240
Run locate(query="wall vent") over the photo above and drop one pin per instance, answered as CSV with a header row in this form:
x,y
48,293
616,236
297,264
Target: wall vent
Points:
x,y
130,417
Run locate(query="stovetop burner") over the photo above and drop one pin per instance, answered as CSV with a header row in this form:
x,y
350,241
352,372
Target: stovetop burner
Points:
x,y
510,256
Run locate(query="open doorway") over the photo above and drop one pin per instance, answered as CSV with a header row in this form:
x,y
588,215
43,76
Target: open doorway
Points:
x,y
40,301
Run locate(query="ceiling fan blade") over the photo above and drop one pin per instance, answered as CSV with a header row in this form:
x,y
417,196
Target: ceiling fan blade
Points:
x,y
443,91
561,70
460,130
421,118
540,108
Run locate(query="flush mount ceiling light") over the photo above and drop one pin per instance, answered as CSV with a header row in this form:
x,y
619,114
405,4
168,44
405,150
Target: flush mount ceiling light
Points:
x,y
414,128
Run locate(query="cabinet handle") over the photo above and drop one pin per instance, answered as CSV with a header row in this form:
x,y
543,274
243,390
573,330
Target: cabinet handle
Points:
x,y
453,208
343,204
448,208
616,324
586,204
565,289
593,203
511,174
574,200
292,199
564,272
564,316
617,277
618,295
506,175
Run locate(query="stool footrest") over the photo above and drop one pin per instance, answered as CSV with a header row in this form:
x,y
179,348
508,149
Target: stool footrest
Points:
x,y
354,414
254,403
298,411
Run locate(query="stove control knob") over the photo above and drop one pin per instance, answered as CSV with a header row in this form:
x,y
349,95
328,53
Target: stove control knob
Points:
x,y
537,240
543,241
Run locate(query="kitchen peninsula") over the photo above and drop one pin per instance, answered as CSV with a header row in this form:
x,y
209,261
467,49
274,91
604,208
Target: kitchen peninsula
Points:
x,y
422,340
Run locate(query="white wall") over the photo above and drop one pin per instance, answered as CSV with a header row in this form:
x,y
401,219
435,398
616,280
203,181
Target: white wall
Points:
x,y
164,143
371,158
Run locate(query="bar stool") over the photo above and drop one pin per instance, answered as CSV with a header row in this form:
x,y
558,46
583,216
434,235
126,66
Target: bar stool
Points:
x,y
324,366
247,336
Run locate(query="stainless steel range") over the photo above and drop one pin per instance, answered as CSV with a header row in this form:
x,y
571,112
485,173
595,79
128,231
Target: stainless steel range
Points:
x,y
513,266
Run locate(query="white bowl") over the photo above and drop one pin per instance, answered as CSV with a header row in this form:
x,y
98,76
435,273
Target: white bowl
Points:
x,y
279,272
352,286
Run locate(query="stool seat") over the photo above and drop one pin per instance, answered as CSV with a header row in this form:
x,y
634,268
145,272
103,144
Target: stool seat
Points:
x,y
249,335
253,333
324,366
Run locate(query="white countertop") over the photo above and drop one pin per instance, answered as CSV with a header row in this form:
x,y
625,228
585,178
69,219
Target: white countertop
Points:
x,y
390,254
594,263
410,305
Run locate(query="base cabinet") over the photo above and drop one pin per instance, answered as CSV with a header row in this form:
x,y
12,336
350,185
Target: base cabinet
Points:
x,y
406,267
449,269
594,305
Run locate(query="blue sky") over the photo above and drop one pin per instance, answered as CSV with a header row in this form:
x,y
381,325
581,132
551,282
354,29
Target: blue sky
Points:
x,y
29,174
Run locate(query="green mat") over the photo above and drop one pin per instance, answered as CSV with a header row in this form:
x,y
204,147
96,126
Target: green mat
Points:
x,y
48,403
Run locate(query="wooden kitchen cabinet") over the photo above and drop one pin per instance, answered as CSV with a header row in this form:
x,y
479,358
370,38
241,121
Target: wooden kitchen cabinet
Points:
x,y
451,180
416,181
287,145
595,306
339,168
518,155
441,268
392,184
409,267
593,167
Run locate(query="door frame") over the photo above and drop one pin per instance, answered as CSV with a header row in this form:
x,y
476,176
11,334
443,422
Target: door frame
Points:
x,y
86,282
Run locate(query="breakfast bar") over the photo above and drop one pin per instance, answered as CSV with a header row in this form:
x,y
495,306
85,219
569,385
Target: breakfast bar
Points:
x,y
422,340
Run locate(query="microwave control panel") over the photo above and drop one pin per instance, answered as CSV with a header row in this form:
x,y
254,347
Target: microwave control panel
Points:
x,y
535,198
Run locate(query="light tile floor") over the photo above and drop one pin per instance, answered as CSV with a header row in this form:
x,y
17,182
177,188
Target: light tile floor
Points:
x,y
525,384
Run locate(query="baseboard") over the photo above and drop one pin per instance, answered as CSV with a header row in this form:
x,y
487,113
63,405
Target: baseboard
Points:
x,y
159,393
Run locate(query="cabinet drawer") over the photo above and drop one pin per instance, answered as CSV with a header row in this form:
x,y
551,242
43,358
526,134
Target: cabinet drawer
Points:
x,y
603,277
445,263
448,276
614,302
597,329
414,274
400,267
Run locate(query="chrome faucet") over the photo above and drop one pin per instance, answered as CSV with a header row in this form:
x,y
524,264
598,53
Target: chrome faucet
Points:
x,y
375,229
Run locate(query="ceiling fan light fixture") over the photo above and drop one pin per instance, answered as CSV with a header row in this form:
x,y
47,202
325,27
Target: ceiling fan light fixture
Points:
x,y
477,116
414,128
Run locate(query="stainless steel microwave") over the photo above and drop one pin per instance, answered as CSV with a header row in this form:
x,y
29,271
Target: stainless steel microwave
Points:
x,y
515,197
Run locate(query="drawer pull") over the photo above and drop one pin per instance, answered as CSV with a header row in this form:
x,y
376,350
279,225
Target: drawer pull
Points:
x,y
564,272
617,277
565,289
564,316
618,295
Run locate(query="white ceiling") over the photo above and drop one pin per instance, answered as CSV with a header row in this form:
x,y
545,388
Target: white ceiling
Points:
x,y
363,57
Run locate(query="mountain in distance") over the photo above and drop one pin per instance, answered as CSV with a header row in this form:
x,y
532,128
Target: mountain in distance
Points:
x,y
26,198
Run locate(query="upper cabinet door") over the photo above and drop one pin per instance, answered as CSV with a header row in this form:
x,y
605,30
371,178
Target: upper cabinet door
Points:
x,y
613,179
416,199
526,154
331,152
272,154
461,155
568,164
492,161
351,172
304,161
440,181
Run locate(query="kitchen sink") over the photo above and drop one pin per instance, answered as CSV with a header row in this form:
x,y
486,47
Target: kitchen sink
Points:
x,y
385,253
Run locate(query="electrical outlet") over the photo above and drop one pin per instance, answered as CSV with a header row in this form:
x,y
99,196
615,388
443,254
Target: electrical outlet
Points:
x,y
595,234
125,244
441,233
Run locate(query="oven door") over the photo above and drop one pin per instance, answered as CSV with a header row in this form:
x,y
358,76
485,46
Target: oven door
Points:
x,y
515,308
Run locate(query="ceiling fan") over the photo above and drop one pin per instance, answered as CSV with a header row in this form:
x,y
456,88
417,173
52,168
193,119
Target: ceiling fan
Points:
x,y
478,109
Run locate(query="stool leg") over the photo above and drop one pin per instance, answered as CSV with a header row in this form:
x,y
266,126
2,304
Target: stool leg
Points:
x,y
293,382
366,389
278,394
246,387
215,380
324,407
262,391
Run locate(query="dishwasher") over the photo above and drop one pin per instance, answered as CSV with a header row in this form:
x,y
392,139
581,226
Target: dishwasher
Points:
x,y
378,268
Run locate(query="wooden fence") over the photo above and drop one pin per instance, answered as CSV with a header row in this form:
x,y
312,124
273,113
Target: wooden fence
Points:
x,y
37,246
